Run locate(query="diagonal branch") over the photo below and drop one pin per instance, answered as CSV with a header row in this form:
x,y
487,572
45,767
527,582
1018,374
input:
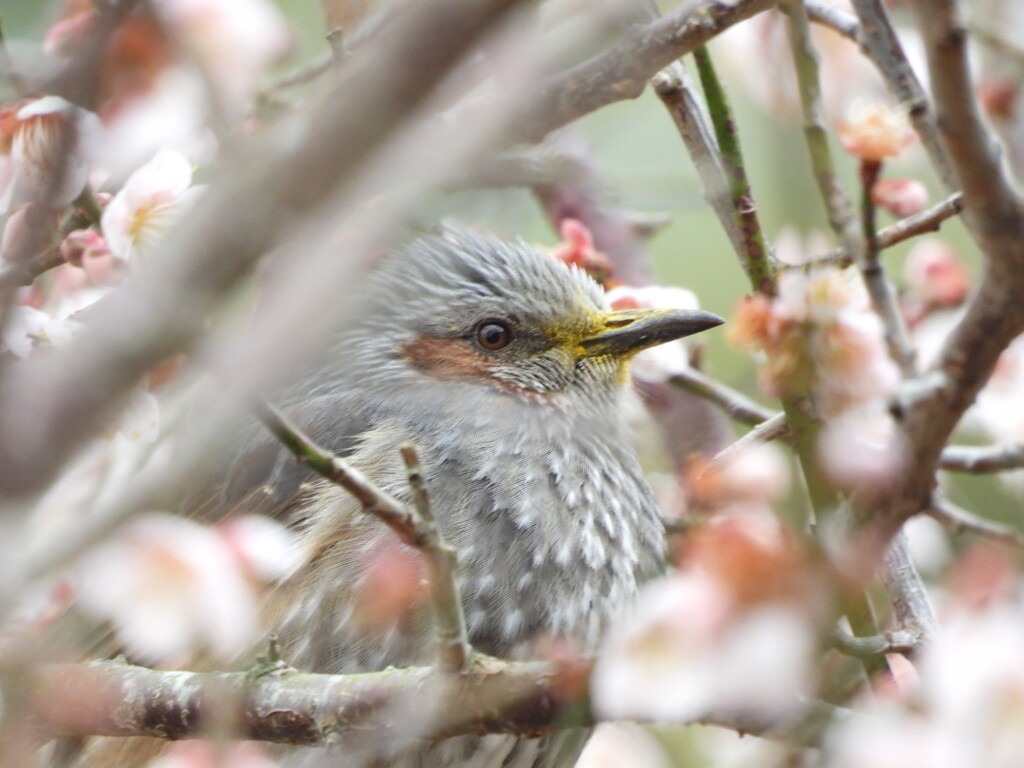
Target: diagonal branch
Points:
x,y
415,526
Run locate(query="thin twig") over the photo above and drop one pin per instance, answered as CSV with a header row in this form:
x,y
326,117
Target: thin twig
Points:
x,y
982,460
882,298
960,520
772,429
415,526
920,223
900,641
805,60
454,651
736,404
676,91
755,255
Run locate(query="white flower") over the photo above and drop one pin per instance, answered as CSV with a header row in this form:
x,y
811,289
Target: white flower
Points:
x,y
139,421
170,586
687,649
861,447
149,203
28,327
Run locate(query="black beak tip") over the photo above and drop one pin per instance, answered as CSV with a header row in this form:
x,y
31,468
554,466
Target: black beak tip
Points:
x,y
704,321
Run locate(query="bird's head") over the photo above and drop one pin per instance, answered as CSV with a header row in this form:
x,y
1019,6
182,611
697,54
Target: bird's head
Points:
x,y
506,317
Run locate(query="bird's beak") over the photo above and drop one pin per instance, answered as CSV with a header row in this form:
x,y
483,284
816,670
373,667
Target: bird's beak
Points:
x,y
631,330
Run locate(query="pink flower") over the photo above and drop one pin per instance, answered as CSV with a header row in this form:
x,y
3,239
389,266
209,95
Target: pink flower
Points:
x,y
819,336
170,587
875,132
203,754
150,202
900,197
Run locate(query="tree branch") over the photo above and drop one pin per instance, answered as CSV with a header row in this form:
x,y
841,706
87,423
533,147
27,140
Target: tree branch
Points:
x,y
960,520
415,526
736,404
999,458
623,71
289,707
904,229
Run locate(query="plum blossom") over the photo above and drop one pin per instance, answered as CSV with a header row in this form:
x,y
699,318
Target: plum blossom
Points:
x,y
900,197
29,327
818,336
686,651
171,586
152,199
46,147
617,744
861,448
657,364
875,132
733,631
202,754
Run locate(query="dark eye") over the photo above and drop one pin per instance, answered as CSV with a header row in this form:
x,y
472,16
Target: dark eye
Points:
x,y
493,335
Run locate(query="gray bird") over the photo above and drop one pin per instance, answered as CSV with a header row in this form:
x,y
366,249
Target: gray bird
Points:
x,y
507,370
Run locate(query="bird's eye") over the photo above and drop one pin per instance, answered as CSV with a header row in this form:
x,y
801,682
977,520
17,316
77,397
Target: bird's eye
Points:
x,y
492,335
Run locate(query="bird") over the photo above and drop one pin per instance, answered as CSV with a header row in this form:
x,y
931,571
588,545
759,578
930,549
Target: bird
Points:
x,y
509,372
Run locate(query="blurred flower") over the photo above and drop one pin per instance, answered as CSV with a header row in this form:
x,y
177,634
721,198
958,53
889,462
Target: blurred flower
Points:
x,y
794,247
234,41
846,74
685,651
266,549
900,197
30,230
391,586
170,586
577,249
88,250
935,275
657,364
613,745
861,449
818,336
203,754
150,202
756,475
139,420
875,131
28,327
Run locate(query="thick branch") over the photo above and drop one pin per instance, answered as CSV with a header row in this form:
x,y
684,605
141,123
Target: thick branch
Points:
x,y
290,707
622,71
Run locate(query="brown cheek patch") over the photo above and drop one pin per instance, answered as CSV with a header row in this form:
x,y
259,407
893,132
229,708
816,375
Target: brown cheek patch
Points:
x,y
446,358
455,359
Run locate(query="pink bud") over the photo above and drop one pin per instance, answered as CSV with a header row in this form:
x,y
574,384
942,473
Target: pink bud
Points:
x,y
83,244
900,197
